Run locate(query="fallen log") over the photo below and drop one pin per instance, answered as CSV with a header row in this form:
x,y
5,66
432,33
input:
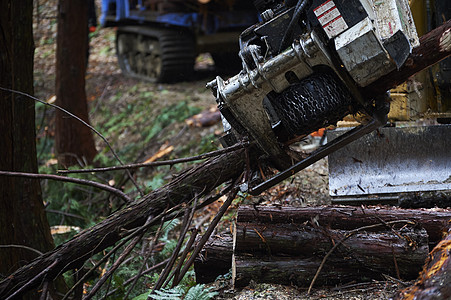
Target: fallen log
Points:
x,y
292,242
434,281
260,256
197,181
296,271
215,259
295,252
205,119
435,221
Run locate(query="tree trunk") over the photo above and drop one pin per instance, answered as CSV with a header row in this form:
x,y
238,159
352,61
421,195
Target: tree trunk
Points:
x,y
74,141
22,217
200,180
435,279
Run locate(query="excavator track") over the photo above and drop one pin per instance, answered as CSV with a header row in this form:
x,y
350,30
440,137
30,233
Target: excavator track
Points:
x,y
156,55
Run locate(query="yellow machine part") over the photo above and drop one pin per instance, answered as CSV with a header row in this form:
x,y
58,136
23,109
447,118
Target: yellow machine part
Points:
x,y
419,97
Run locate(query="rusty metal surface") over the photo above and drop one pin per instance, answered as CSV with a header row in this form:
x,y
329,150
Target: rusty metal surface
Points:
x,y
392,160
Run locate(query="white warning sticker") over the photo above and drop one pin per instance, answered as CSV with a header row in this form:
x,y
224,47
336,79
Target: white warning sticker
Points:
x,y
324,7
330,18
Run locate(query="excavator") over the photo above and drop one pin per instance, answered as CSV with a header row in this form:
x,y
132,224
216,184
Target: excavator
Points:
x,y
306,66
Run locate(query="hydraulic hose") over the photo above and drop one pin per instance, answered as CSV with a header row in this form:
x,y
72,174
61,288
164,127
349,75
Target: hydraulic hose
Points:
x,y
300,6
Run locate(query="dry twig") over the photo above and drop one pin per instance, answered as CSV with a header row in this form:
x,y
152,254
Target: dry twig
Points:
x,y
162,162
209,231
129,236
81,121
101,186
22,247
187,220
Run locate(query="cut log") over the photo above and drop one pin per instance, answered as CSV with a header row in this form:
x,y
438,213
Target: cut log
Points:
x,y
434,46
261,256
297,271
299,238
435,221
435,279
205,119
215,258
296,251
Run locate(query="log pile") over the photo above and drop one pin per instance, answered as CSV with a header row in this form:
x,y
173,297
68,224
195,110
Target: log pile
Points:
x,y
287,245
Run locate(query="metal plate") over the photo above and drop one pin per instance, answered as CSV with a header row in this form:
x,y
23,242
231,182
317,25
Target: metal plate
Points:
x,y
392,160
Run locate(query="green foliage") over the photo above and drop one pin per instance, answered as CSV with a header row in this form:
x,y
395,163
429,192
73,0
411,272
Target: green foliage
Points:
x,y
133,120
174,113
168,294
208,143
197,292
155,182
200,292
167,227
72,204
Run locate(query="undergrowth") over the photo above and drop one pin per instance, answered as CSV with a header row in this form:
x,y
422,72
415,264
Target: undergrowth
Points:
x,y
134,120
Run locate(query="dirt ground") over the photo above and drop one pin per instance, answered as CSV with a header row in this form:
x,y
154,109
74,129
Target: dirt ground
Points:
x,y
106,87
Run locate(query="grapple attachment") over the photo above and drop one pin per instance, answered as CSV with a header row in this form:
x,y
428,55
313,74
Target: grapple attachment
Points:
x,y
304,66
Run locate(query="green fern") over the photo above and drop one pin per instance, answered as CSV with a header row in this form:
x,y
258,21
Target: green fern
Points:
x,y
168,227
168,294
199,292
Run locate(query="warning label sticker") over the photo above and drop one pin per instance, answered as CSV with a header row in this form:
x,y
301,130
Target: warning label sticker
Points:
x,y
330,18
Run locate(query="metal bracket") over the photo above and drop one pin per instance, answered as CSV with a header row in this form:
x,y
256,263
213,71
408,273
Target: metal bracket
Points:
x,y
322,152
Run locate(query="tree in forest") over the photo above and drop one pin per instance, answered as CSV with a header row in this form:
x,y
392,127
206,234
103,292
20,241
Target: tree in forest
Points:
x,y
23,224
74,141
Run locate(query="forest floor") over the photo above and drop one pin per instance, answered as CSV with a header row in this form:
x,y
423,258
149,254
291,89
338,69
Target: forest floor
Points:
x,y
142,119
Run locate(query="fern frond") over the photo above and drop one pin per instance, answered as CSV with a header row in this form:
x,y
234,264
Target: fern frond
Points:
x,y
168,294
200,292
168,227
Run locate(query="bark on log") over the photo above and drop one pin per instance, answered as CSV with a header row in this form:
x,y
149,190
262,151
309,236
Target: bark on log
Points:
x,y
434,46
273,234
297,271
199,180
205,119
292,255
435,221
215,259
362,256
265,234
435,279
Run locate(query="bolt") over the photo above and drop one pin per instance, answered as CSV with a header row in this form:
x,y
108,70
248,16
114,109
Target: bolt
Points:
x,y
267,15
